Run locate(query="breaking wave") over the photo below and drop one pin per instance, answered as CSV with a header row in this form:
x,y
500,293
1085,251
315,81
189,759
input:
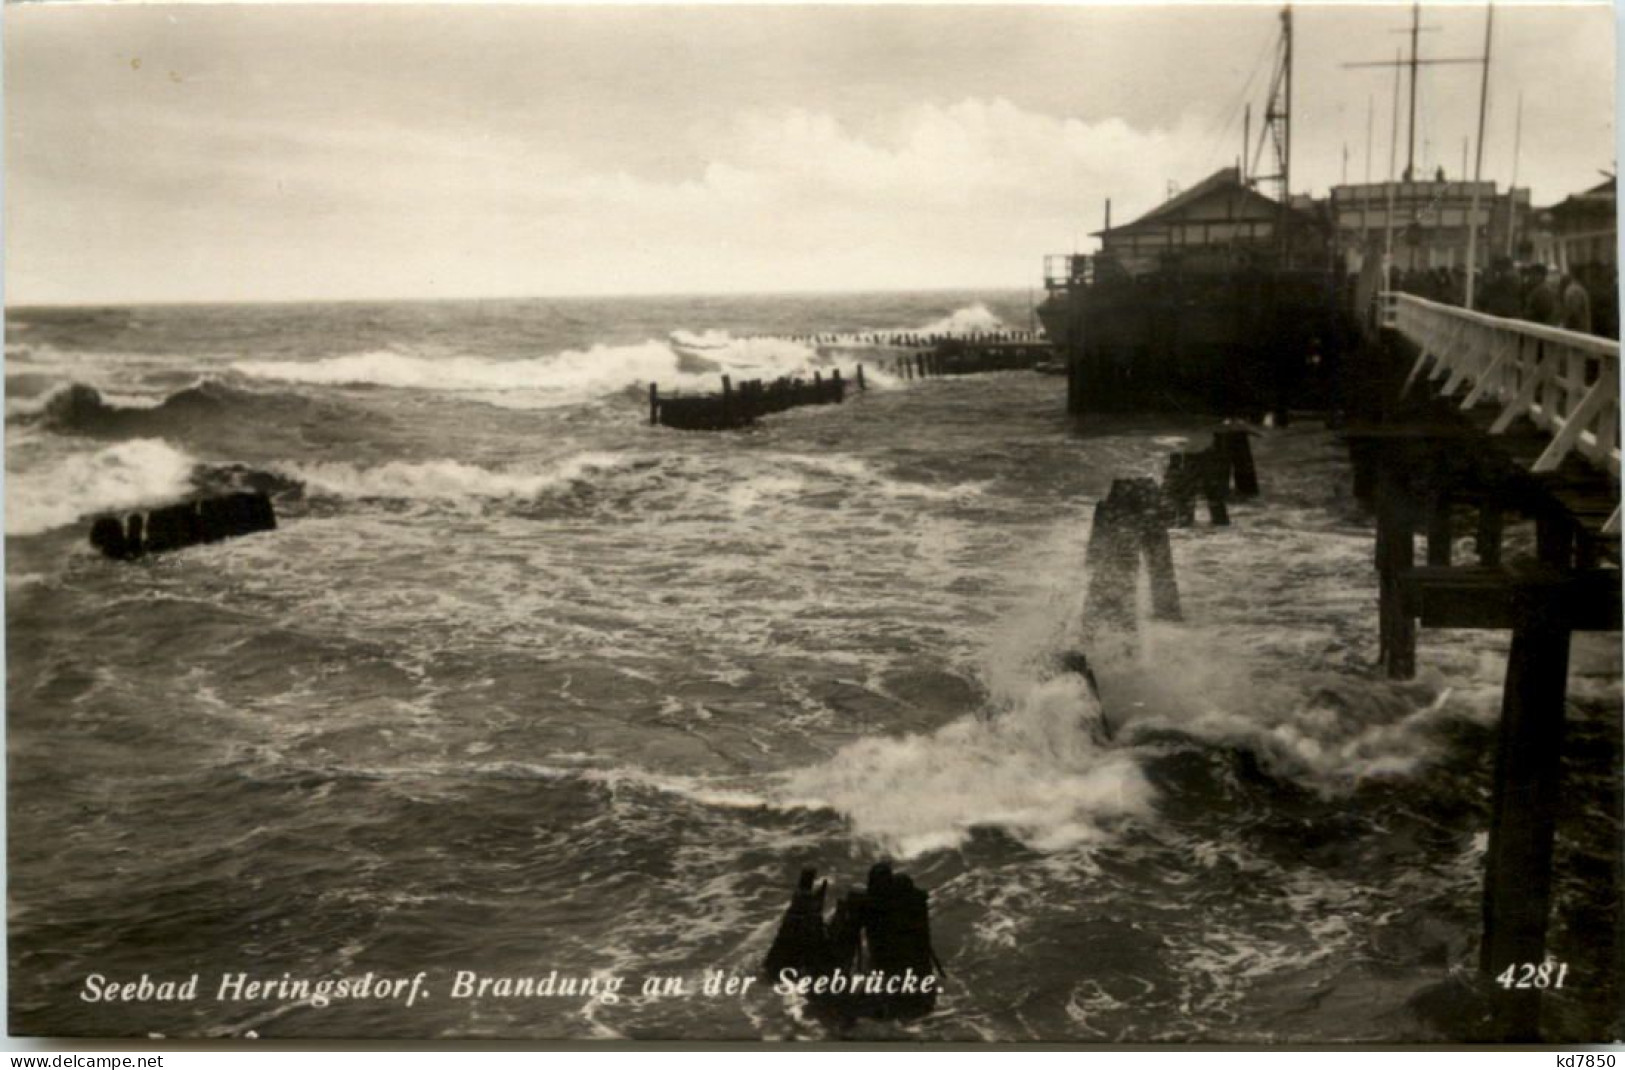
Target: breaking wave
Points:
x,y
569,377
442,480
129,475
1034,770
967,320
65,397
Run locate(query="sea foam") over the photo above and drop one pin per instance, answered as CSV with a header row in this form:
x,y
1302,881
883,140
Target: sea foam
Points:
x,y
569,377
129,475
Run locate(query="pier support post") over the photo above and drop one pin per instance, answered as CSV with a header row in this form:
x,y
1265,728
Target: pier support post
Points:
x,y
1215,475
1396,554
1114,560
654,404
1518,880
1179,490
727,402
1237,448
920,360
1152,521
1363,458
1487,539
1130,522
1554,539
862,386
1440,529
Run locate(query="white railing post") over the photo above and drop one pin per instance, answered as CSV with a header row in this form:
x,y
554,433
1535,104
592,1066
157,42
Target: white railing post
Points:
x,y
1567,383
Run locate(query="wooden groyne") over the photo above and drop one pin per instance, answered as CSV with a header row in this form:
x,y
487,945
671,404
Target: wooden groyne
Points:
x,y
176,527
1471,419
871,959
735,407
960,357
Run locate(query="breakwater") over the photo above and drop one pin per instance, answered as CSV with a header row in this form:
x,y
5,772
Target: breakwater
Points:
x,y
185,524
733,407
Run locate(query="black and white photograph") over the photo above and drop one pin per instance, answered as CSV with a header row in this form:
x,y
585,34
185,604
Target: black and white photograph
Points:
x,y
949,524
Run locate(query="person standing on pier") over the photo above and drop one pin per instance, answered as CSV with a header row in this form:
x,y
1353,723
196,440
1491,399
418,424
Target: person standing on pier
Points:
x,y
1540,305
1576,308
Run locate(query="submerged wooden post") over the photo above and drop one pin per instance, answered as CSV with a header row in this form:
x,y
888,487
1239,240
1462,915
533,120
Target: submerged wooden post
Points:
x,y
1144,502
1113,562
1518,880
862,387
1237,449
1214,471
920,360
1179,490
654,404
1396,554
727,402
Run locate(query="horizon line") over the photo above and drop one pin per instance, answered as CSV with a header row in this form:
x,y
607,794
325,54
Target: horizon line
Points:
x,y
9,306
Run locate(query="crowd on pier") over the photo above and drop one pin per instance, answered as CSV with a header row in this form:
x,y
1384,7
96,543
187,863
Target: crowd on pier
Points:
x,y
1584,298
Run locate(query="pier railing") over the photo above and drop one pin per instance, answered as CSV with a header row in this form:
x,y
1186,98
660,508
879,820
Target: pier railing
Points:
x,y
1565,382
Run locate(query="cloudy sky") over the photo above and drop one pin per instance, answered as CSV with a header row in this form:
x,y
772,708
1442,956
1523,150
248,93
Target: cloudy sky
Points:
x,y
162,153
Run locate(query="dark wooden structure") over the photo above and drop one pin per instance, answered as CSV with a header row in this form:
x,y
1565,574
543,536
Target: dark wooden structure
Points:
x,y
734,408
1462,415
175,527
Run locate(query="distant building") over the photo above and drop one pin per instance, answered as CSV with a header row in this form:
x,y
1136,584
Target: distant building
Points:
x,y
1581,230
1430,222
1215,224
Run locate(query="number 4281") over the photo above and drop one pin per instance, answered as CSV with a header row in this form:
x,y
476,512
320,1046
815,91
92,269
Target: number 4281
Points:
x,y
1531,975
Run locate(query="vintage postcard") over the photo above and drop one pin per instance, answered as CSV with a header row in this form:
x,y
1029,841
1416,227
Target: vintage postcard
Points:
x,y
932,523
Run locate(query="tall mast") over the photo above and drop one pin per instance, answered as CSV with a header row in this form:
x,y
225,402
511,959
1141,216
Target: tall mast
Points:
x,y
1365,207
1478,165
1410,151
1278,126
1415,63
1246,137
1393,162
1512,190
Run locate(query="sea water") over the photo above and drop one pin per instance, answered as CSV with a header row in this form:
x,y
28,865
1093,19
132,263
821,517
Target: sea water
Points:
x,y
523,688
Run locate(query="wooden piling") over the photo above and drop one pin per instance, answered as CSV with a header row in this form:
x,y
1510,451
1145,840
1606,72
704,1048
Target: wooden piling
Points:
x,y
1440,530
1487,539
1179,491
1214,469
1363,459
1396,554
1151,522
862,387
1554,538
1518,881
1237,450
727,402
654,404
920,361
1130,522
1113,562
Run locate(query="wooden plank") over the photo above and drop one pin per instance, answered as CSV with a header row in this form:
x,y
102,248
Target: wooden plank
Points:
x,y
1489,597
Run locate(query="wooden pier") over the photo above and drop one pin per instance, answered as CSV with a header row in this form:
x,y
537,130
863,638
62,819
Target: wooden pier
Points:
x,y
961,357
1468,417
734,408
